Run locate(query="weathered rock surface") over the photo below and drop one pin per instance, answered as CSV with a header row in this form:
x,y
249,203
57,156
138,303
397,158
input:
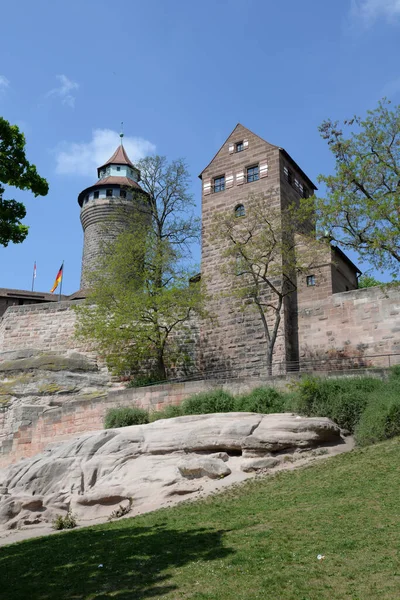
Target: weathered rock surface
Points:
x,y
92,474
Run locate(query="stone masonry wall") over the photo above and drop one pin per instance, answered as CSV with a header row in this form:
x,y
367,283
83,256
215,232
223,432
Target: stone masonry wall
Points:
x,y
47,327
360,322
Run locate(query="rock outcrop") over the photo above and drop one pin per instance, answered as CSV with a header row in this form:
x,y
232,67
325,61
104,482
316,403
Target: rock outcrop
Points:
x,y
93,473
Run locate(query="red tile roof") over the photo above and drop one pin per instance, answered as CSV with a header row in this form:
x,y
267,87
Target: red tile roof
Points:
x,y
119,157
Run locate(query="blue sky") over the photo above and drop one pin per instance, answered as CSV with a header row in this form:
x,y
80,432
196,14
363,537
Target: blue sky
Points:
x,y
180,74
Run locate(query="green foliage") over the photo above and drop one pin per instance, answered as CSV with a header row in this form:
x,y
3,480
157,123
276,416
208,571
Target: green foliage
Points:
x,y
142,381
169,412
121,511
214,401
367,281
261,400
140,298
15,170
125,416
342,400
361,209
64,522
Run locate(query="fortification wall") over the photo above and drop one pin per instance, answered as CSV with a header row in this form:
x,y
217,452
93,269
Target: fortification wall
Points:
x,y
362,322
48,327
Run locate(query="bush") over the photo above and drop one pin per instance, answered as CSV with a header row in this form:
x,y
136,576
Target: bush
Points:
x,y
342,400
125,416
380,420
169,412
261,400
214,401
143,380
67,522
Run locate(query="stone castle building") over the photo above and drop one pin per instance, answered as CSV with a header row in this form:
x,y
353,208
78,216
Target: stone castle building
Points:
x,y
326,317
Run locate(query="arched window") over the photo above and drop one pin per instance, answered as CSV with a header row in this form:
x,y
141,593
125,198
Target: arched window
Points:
x,y
240,211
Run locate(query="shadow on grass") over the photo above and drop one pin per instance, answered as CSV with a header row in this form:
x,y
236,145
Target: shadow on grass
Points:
x,y
137,562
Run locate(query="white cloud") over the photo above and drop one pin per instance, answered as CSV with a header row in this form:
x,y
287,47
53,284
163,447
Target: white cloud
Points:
x,y
4,83
368,11
83,158
65,90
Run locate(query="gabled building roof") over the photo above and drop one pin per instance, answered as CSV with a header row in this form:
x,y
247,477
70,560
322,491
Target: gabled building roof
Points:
x,y
282,150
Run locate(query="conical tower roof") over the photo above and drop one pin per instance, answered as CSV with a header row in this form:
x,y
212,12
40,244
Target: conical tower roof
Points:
x,y
119,157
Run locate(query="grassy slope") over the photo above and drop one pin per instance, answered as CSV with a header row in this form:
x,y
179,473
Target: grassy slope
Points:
x,y
260,541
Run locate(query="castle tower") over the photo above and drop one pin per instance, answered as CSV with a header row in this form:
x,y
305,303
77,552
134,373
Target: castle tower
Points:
x,y
104,206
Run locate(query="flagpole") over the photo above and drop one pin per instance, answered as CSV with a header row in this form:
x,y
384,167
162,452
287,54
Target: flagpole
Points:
x,y
61,282
33,275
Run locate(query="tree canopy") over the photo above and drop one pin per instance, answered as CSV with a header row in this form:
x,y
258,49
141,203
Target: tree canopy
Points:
x,y
141,298
361,209
16,171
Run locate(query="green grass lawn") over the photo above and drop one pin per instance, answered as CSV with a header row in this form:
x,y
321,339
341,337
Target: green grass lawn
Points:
x,y
256,541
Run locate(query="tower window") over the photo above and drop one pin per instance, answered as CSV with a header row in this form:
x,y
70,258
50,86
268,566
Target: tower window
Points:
x,y
109,193
96,195
240,211
253,174
239,147
103,173
118,168
219,184
310,280
123,194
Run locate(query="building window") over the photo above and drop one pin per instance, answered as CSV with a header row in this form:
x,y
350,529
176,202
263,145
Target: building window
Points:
x,y
96,195
109,193
310,280
240,211
118,168
253,174
239,147
219,184
103,173
288,175
123,193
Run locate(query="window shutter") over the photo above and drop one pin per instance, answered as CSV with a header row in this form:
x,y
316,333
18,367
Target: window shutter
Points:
x,y
207,187
245,143
229,180
264,169
240,177
231,148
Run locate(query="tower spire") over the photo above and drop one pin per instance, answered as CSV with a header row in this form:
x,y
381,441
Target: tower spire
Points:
x,y
121,135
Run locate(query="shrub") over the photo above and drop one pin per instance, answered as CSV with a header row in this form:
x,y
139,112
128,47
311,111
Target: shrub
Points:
x,y
261,400
214,401
380,420
67,522
143,380
121,510
125,416
169,412
342,400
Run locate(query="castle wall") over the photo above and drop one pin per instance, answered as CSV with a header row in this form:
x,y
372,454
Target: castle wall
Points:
x,y
362,322
45,327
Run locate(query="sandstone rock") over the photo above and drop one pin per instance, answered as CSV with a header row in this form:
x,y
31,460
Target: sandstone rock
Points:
x,y
194,467
259,463
97,471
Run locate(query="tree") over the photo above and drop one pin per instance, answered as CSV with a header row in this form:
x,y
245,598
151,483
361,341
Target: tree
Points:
x,y
367,281
141,298
15,170
361,210
264,253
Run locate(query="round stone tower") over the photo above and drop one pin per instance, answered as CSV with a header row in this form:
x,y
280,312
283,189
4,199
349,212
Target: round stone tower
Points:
x,y
104,206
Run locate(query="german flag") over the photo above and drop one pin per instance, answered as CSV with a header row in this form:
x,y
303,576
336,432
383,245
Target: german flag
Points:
x,y
58,279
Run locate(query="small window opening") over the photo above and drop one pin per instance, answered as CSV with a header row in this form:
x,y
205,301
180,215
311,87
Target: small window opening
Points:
x,y
240,211
96,195
252,174
239,147
310,280
219,184
109,193
123,193
118,168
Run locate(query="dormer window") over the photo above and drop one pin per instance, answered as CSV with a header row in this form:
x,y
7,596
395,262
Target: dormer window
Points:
x,y
239,147
103,173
